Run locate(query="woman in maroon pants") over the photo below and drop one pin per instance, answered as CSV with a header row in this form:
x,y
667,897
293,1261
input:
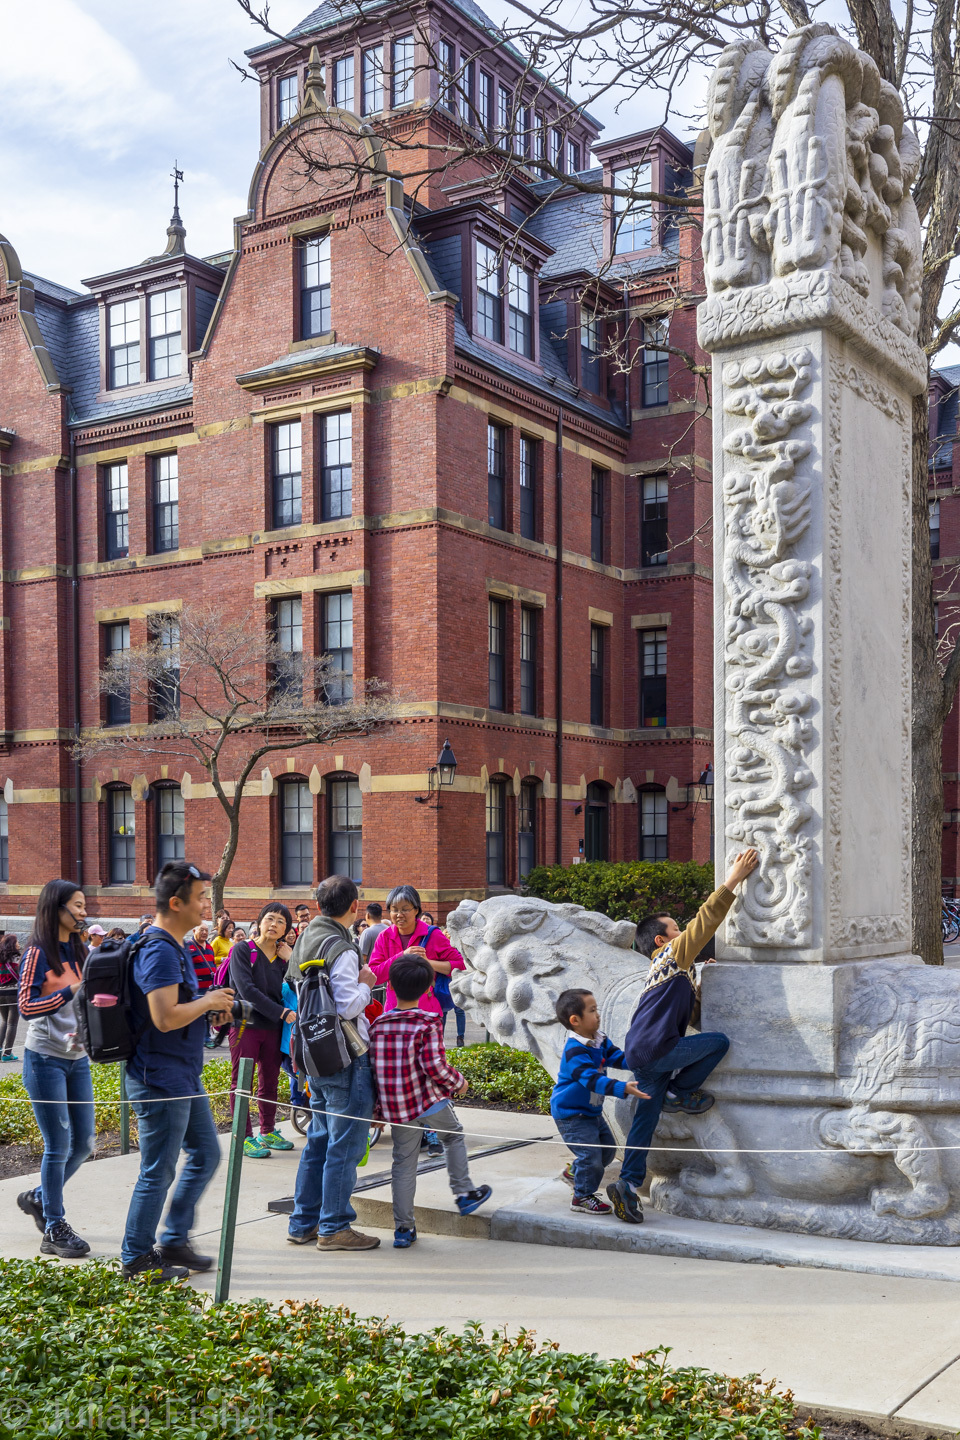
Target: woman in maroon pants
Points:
x,y
257,971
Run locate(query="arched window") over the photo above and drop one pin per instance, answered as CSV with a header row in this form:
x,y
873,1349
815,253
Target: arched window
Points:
x,y
496,832
169,810
527,827
597,826
346,827
653,824
123,843
296,833
4,843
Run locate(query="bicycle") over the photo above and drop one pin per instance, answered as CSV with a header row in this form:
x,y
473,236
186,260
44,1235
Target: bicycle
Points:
x,y
950,920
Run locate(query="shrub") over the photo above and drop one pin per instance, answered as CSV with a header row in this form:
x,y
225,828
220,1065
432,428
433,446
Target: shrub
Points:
x,y
18,1126
626,890
499,1073
82,1350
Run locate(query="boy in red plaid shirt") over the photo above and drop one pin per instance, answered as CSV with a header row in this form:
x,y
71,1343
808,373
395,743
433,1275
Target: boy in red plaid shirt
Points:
x,y
415,1082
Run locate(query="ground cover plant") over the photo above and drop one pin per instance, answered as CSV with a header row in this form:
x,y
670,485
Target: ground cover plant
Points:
x,y
499,1074
626,890
133,1359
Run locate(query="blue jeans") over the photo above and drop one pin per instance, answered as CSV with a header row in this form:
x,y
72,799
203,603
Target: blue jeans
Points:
x,y
334,1148
297,1096
583,1133
693,1057
461,1022
68,1129
165,1129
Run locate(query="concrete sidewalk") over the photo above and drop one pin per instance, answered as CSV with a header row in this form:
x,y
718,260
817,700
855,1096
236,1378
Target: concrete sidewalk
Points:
x,y
876,1345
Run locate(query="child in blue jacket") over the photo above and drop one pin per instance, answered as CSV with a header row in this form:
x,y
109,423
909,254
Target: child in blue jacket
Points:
x,y
576,1103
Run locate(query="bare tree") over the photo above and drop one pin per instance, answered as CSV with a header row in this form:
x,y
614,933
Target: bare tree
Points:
x,y
622,50
225,692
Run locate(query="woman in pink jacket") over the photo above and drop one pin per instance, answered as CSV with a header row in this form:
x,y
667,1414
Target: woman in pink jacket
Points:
x,y
406,933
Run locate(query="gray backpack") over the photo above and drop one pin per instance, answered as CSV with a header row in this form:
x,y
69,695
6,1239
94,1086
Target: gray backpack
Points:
x,y
319,1046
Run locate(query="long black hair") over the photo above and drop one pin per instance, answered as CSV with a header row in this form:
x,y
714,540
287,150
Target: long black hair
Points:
x,y
46,925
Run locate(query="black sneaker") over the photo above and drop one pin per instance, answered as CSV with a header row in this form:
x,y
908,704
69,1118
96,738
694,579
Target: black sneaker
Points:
x,y
61,1239
31,1205
473,1199
626,1205
175,1256
153,1264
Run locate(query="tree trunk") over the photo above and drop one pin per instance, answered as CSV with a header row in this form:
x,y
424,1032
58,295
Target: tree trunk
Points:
x,y
219,881
929,713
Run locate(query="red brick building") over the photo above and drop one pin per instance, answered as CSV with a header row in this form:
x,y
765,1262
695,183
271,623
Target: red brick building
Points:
x,y
391,421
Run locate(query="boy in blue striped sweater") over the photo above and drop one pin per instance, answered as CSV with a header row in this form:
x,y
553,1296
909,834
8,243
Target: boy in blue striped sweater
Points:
x,y
576,1103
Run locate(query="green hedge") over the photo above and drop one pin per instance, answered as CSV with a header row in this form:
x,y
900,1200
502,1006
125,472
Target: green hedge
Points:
x,y
84,1352
626,890
510,1077
18,1127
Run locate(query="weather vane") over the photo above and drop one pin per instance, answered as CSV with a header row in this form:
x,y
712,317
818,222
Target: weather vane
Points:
x,y
177,176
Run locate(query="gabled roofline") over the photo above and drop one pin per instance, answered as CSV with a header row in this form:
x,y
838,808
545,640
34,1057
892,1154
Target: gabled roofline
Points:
x,y
25,297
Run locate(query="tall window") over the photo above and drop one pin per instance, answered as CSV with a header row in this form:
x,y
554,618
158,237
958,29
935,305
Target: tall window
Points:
x,y
117,504
598,496
287,98
166,503
528,488
527,828
497,654
446,56
343,83
590,349
4,841
467,92
123,344
117,643
165,630
504,111
485,114
336,465
288,629
521,136
403,72
539,145
556,149
496,476
573,157
653,521
287,476
656,364
653,677
346,828
528,660
165,335
296,833
597,823
598,647
934,529
170,838
337,643
372,80
496,856
520,305
123,842
315,286
653,825
632,216
489,307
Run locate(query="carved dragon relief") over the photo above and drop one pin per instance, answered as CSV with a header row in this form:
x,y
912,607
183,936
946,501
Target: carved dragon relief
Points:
x,y
810,160
766,509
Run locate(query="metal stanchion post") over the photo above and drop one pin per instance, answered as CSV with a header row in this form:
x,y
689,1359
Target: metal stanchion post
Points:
x,y
238,1131
124,1111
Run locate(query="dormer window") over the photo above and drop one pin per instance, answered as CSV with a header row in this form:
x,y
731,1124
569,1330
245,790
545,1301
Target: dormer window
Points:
x,y
124,344
315,286
589,350
343,83
165,335
632,216
489,309
287,98
521,310
403,72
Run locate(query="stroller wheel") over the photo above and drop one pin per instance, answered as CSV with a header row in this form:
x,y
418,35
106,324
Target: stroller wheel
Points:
x,y
301,1119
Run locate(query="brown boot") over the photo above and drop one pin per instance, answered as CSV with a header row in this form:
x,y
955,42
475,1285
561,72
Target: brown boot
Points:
x,y
348,1240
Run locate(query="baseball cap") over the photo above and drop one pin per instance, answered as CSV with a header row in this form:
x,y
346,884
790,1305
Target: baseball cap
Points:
x,y
96,930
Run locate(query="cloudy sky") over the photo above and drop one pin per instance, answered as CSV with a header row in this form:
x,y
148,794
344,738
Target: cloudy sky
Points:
x,y
101,95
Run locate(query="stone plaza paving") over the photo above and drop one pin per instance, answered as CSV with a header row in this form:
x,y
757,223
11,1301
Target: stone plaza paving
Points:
x,y
877,1345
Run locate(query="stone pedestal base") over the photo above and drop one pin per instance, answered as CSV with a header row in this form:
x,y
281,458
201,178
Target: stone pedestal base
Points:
x,y
836,1106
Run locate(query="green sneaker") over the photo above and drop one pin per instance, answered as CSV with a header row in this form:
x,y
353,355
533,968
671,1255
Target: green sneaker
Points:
x,y
273,1141
254,1150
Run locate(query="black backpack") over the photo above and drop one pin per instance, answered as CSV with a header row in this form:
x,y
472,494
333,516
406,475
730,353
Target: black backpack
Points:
x,y
108,1032
318,1040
